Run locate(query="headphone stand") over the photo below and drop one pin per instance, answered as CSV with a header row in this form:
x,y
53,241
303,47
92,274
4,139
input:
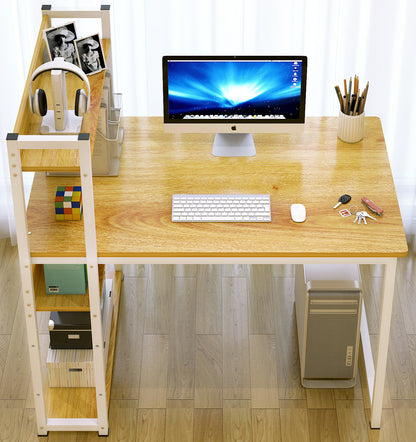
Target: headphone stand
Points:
x,y
60,120
72,126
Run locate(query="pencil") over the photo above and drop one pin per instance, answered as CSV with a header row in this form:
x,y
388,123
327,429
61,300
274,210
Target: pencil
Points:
x,y
349,97
364,98
356,102
338,91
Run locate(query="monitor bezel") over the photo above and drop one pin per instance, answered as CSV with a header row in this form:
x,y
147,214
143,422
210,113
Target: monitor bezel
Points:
x,y
219,122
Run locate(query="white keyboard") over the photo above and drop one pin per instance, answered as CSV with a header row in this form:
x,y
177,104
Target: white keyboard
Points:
x,y
221,208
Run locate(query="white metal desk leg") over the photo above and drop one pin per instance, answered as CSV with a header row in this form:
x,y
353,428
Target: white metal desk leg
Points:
x,y
383,342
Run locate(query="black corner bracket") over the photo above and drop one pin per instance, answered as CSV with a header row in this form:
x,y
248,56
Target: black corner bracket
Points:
x,y
83,137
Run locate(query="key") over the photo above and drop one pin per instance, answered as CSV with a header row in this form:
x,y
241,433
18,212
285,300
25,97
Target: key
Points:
x,y
343,199
365,215
358,217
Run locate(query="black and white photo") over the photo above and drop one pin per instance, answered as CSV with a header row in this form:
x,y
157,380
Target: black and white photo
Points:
x,y
90,54
60,42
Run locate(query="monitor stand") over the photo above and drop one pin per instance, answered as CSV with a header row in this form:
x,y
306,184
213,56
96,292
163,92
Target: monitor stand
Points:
x,y
233,145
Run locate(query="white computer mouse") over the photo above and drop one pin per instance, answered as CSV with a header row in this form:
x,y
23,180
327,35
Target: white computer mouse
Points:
x,y
298,213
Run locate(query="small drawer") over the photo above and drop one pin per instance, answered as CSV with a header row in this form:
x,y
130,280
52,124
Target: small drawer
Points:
x,y
70,368
70,330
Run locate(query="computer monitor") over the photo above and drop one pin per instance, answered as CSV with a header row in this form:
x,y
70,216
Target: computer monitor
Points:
x,y
234,96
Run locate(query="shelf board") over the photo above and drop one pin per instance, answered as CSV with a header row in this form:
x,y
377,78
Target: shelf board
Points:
x,y
51,160
67,403
60,303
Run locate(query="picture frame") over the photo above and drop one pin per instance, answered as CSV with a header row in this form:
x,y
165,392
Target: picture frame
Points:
x,y
90,54
60,42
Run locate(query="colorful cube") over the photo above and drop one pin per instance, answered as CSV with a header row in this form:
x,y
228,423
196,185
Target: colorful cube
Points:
x,y
68,203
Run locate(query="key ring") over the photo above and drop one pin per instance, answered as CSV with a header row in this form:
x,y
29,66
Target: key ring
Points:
x,y
353,209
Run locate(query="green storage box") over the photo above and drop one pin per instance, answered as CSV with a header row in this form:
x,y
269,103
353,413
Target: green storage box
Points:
x,y
65,279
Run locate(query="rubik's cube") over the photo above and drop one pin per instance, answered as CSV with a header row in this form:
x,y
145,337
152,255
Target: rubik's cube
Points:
x,y
68,203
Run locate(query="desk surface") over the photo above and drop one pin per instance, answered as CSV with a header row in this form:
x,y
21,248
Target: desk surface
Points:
x,y
133,210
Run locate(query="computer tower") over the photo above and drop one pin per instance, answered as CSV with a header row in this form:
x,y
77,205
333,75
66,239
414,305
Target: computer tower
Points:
x,y
328,301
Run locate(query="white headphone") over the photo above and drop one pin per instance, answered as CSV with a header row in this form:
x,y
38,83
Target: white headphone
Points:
x,y
38,103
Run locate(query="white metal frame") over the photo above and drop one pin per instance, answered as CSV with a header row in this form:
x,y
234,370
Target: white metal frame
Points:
x,y
375,368
15,143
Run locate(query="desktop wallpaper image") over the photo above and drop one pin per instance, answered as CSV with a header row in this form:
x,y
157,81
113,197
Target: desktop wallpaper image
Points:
x,y
234,89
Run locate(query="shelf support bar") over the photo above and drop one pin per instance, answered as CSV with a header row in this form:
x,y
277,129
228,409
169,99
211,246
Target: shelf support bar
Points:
x,y
26,276
93,280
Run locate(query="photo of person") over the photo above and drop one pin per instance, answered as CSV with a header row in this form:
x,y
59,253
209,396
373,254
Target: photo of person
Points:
x,y
90,54
60,42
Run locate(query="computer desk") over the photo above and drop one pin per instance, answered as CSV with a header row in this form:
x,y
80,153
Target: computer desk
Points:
x,y
133,210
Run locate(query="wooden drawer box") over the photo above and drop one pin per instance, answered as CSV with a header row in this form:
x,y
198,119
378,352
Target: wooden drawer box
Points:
x,y
70,368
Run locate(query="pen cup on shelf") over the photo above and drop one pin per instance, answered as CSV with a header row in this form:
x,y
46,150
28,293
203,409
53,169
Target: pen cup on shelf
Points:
x,y
351,127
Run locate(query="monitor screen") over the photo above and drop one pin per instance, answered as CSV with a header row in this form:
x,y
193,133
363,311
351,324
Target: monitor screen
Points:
x,y
233,94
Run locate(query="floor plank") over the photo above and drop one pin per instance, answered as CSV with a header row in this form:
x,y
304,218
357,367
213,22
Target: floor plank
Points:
x,y
128,351
264,386
181,364
179,421
208,425
352,422
236,360
208,371
265,425
208,300
237,421
323,425
151,425
154,373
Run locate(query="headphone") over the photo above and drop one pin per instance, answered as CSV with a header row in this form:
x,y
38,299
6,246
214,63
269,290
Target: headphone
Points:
x,y
37,101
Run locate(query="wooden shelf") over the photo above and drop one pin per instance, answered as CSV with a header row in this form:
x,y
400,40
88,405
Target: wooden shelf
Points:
x,y
81,402
60,303
29,124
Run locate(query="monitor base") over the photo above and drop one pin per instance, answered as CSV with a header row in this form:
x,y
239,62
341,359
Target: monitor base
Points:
x,y
233,145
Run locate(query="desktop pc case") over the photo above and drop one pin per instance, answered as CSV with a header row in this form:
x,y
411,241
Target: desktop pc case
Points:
x,y
328,301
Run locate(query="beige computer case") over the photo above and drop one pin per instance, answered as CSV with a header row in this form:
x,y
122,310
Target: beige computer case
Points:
x,y
328,302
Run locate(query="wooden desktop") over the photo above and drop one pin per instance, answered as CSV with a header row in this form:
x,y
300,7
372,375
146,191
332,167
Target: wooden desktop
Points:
x,y
133,210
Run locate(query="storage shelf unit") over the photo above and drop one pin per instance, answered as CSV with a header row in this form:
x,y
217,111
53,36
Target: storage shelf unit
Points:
x,y
63,409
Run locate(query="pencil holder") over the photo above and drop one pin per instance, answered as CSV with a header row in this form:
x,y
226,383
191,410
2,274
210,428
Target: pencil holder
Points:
x,y
351,127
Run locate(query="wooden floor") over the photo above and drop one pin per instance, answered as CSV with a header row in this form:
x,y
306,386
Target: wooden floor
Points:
x,y
209,353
